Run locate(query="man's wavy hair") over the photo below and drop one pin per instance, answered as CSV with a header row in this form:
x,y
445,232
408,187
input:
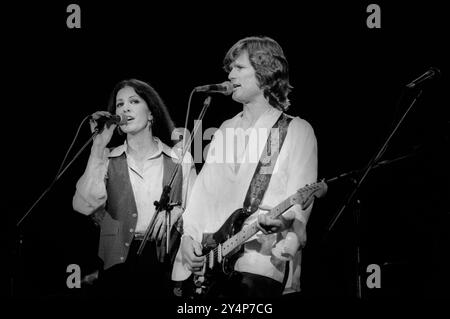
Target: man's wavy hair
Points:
x,y
162,125
270,64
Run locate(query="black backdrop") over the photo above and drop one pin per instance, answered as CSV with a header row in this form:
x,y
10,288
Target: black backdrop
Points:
x,y
347,82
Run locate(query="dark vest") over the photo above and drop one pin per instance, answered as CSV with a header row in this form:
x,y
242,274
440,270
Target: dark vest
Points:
x,y
118,221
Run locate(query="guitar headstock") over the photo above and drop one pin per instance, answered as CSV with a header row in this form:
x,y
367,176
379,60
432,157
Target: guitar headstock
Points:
x,y
305,195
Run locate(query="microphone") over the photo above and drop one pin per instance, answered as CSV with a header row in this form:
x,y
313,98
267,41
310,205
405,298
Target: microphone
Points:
x,y
224,88
430,74
110,119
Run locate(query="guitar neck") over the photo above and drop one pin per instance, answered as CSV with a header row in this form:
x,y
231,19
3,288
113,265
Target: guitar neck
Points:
x,y
250,230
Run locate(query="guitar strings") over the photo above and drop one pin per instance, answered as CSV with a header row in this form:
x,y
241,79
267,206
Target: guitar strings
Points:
x,y
215,250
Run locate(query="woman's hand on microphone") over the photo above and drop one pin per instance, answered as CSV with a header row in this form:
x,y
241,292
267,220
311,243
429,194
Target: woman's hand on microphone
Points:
x,y
102,139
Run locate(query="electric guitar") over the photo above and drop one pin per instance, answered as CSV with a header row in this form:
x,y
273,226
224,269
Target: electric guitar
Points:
x,y
221,248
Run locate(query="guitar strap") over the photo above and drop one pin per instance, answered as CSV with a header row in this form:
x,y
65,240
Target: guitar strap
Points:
x,y
263,172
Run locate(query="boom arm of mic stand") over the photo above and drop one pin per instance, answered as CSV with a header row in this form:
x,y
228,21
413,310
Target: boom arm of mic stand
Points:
x,y
378,165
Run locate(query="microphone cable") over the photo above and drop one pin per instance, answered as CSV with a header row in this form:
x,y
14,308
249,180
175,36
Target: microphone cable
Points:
x,y
71,145
187,119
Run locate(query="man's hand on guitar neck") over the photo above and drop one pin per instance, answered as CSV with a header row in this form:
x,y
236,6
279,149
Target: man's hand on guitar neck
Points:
x,y
269,225
191,254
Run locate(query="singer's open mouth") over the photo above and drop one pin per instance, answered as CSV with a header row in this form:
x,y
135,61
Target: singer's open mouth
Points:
x,y
130,118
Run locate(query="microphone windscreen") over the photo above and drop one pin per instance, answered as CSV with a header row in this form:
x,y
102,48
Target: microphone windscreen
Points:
x,y
228,87
121,119
436,72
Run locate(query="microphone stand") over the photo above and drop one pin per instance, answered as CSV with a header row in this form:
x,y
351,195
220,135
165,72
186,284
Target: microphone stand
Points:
x,y
20,236
357,211
94,134
163,203
356,216
371,164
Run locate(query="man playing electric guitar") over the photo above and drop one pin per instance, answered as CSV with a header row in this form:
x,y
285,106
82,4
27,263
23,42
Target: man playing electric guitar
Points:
x,y
267,157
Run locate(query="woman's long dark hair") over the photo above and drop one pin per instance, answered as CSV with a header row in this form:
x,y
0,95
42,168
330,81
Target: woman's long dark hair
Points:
x,y
163,125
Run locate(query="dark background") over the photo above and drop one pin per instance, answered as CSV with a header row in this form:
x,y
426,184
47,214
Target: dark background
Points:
x,y
347,79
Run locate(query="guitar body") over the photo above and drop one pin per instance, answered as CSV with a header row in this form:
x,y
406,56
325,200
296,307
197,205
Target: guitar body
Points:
x,y
215,277
225,246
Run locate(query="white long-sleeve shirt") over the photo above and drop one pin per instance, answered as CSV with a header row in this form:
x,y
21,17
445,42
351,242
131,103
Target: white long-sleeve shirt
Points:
x,y
222,185
146,183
